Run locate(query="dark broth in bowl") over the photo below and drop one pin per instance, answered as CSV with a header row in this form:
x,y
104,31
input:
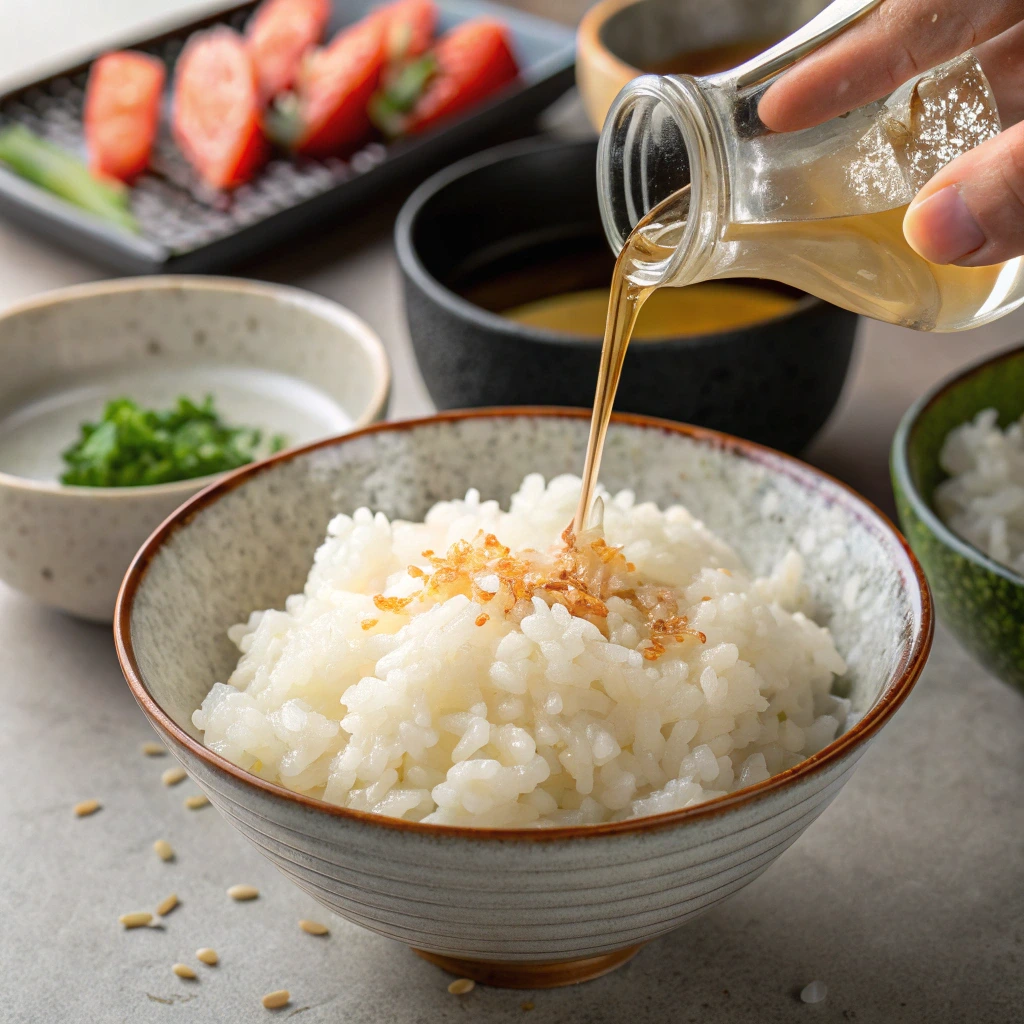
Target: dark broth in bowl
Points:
x,y
562,283
712,59
670,313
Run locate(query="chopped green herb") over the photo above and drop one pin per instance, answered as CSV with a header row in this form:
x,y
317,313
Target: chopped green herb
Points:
x,y
389,105
282,120
132,447
62,174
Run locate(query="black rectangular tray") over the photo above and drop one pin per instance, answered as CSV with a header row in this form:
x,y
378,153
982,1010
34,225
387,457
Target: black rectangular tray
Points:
x,y
188,228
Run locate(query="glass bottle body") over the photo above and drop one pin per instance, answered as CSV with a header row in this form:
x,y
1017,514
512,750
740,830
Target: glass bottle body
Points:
x,y
821,210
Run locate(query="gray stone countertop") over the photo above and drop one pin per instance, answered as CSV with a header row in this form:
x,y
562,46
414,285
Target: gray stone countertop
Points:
x,y
906,898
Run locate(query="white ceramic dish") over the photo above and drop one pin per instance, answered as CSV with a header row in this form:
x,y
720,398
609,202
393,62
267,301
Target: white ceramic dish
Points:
x,y
273,357
535,907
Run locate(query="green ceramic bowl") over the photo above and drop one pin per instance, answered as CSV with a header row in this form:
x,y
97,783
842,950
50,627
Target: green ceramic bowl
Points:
x,y
981,601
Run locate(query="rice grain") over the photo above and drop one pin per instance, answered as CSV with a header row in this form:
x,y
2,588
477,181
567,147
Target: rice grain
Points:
x,y
243,892
815,992
86,807
983,498
136,919
165,906
275,1000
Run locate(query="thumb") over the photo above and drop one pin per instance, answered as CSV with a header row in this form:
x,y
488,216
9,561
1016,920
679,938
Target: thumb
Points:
x,y
972,212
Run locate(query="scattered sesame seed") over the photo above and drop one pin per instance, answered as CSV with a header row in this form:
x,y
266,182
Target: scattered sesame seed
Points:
x,y
137,919
163,849
166,906
460,986
184,971
243,892
154,750
193,803
527,1007
275,1000
815,992
207,956
313,927
172,776
86,807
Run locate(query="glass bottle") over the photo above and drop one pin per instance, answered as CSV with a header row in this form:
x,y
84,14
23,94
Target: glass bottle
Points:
x,y
820,209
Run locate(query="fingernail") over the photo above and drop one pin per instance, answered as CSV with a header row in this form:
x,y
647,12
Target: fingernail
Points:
x,y
941,228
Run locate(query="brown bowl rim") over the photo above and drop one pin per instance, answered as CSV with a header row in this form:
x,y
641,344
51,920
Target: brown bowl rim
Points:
x,y
590,41
894,693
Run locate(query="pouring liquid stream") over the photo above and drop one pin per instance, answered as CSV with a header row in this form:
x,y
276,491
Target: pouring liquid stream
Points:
x,y
651,241
860,262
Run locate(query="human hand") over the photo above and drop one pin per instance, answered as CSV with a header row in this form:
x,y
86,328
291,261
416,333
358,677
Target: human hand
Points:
x,y
972,212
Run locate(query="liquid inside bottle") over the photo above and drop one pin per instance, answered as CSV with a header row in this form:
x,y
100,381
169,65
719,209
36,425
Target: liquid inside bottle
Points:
x,y
865,264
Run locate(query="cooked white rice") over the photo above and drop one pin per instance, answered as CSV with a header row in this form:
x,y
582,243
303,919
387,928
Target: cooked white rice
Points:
x,y
983,499
470,705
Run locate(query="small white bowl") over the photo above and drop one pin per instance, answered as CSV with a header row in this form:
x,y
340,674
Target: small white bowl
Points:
x,y
273,357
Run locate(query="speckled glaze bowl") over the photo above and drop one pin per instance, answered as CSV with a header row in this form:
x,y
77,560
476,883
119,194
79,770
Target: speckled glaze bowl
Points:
x,y
981,600
519,908
301,364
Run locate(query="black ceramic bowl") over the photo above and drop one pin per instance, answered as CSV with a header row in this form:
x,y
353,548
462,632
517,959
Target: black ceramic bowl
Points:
x,y
520,223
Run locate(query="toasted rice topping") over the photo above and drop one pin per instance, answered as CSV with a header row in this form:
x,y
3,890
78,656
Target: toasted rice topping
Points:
x,y
581,574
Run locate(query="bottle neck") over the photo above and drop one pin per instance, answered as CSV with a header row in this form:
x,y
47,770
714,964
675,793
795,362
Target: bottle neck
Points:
x,y
660,146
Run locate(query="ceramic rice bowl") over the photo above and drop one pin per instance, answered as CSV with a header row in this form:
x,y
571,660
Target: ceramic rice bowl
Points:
x,y
521,908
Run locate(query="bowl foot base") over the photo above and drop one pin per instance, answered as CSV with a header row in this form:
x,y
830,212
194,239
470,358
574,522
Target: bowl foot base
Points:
x,y
531,974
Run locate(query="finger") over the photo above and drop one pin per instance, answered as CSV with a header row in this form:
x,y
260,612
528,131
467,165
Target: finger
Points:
x,y
896,41
972,212
1002,59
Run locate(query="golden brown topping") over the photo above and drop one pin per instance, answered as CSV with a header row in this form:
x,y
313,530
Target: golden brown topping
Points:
x,y
582,574
674,628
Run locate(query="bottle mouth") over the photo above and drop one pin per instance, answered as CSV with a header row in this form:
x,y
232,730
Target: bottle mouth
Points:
x,y
654,145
